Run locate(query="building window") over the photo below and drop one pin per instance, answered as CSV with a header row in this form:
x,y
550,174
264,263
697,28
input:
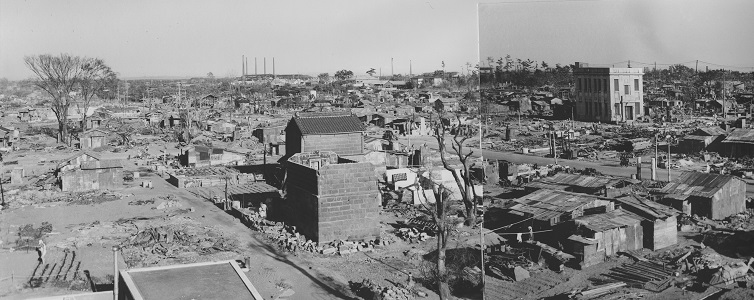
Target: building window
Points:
x,y
638,109
604,85
626,90
578,85
636,85
617,85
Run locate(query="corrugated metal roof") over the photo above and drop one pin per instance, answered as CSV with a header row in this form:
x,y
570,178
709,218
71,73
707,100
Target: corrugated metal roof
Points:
x,y
328,124
546,204
609,220
740,135
697,184
578,180
653,209
711,131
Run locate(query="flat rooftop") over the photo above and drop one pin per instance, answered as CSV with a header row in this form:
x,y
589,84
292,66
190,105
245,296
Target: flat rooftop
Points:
x,y
216,280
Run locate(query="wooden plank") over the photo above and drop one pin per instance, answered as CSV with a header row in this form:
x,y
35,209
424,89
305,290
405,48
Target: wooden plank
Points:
x,y
641,270
646,270
632,275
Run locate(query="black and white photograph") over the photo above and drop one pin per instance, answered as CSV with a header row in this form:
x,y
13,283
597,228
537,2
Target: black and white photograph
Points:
x,y
376,149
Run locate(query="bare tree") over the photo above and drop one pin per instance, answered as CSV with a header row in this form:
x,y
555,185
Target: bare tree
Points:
x,y
438,211
462,177
95,76
59,76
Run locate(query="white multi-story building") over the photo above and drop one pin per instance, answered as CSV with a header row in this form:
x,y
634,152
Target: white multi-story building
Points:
x,y
608,94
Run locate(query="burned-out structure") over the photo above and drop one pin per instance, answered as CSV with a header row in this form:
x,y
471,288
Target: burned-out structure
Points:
x,y
714,196
208,176
339,133
331,198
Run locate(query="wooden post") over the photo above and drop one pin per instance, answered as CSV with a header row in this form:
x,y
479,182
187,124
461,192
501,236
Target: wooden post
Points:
x,y
638,168
654,169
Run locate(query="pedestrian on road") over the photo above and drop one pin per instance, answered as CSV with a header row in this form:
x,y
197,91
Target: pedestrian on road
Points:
x,y
41,251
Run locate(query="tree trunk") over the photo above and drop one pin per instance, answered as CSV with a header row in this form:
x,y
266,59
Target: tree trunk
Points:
x,y
442,272
63,132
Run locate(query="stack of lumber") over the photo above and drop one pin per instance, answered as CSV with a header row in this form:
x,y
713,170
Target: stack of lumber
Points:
x,y
600,290
647,275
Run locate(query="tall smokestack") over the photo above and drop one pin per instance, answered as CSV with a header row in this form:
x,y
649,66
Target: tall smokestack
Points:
x,y
273,67
255,66
391,67
410,69
265,65
242,67
246,68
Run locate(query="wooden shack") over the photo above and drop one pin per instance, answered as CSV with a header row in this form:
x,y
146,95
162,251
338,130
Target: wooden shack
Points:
x,y
714,196
93,138
598,236
658,221
578,183
548,208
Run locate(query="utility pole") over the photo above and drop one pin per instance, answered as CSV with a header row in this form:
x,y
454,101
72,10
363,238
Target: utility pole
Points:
x,y
2,190
669,159
115,272
481,239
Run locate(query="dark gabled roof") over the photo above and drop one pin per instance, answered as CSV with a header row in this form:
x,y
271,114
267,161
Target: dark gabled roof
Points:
x,y
327,124
697,184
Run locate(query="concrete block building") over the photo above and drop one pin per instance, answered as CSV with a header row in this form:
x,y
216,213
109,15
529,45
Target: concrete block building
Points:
x,y
309,132
331,198
608,94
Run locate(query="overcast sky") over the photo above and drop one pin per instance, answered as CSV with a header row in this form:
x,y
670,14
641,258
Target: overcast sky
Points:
x,y
191,38
606,32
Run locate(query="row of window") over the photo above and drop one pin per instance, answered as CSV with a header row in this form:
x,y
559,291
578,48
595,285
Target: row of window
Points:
x,y
596,109
600,85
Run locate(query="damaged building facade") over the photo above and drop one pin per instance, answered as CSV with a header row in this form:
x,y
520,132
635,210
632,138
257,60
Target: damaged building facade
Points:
x,y
608,94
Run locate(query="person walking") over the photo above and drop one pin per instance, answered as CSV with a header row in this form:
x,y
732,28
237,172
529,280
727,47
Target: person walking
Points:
x,y
41,251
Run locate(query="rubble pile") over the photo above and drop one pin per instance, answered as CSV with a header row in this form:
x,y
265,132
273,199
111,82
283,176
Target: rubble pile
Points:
x,y
396,293
412,234
183,241
289,239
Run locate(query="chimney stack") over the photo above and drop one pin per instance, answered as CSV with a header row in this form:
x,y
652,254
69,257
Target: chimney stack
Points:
x,y
265,65
242,67
273,67
255,66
